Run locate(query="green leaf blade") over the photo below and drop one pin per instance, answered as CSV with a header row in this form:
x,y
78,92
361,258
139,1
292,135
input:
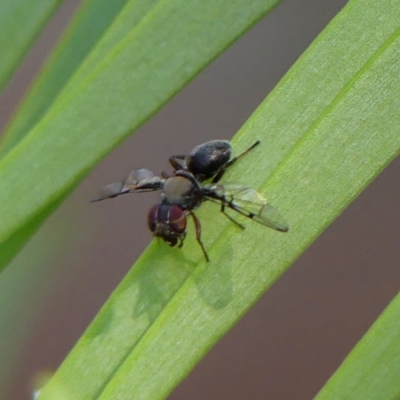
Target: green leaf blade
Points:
x,y
326,132
20,23
371,371
91,21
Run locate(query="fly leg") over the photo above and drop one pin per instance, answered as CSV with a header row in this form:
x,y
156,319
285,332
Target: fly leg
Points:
x,y
178,162
198,234
181,240
230,218
231,162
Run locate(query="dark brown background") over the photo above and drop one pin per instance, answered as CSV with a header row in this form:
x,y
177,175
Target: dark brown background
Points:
x,y
299,332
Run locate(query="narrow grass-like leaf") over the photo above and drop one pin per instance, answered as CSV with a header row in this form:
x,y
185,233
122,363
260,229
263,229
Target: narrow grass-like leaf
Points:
x,y
24,291
92,26
327,130
20,23
11,247
167,49
89,24
372,369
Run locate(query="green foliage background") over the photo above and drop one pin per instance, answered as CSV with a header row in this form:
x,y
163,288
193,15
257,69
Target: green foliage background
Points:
x,y
331,124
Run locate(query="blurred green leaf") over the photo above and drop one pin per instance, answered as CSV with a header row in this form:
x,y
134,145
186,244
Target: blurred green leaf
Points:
x,y
372,369
96,112
327,130
20,23
24,291
92,26
87,29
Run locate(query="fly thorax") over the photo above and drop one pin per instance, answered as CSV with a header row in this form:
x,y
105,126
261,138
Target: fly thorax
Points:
x,y
177,190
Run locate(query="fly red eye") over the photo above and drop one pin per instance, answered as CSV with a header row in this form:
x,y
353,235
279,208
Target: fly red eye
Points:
x,y
177,219
152,217
171,218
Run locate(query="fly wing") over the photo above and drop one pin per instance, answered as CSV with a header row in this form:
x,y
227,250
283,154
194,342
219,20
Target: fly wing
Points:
x,y
108,192
140,180
250,203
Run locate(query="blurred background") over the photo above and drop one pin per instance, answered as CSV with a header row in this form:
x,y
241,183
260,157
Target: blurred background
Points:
x,y
296,336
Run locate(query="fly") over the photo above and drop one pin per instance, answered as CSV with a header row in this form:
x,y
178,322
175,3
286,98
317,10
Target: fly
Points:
x,y
184,191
